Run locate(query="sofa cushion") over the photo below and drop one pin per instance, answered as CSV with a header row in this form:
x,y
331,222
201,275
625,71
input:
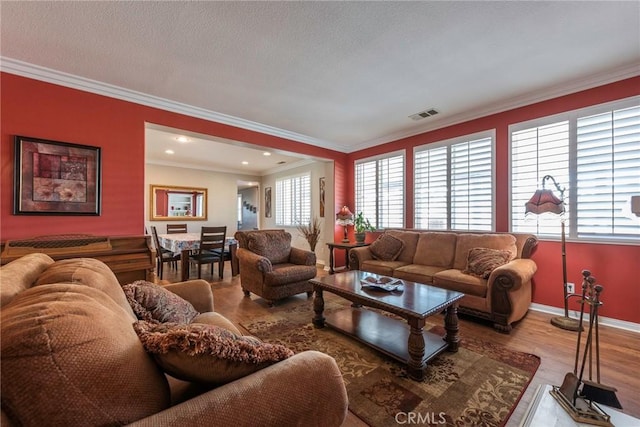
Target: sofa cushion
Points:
x,y
466,242
21,274
410,239
207,353
436,249
152,302
274,245
417,273
87,272
456,280
384,268
286,274
70,357
386,247
482,261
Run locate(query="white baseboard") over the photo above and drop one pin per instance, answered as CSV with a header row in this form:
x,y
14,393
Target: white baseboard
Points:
x,y
607,321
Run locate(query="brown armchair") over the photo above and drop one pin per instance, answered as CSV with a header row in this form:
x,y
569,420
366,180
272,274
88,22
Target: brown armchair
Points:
x,y
271,268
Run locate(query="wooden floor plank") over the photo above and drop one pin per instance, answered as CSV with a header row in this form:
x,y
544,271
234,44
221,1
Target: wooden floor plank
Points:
x,y
620,349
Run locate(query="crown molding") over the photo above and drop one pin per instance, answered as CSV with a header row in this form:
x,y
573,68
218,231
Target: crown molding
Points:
x,y
36,72
266,172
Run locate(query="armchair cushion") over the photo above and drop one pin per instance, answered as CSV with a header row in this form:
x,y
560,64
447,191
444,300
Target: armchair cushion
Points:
x,y
207,353
386,247
275,245
284,274
154,303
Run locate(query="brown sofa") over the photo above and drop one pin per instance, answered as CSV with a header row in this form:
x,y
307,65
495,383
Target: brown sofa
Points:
x,y
271,268
70,356
441,259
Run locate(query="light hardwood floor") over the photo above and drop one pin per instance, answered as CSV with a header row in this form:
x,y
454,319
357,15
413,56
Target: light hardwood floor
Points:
x,y
619,349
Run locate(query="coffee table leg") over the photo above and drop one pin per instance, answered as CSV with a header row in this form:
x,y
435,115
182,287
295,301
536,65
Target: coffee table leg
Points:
x,y
416,365
451,326
318,308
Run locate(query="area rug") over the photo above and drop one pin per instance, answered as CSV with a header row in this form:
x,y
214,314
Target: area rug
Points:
x,y
480,385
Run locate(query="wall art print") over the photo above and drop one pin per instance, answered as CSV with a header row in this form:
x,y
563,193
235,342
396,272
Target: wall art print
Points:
x,y
322,191
56,178
267,202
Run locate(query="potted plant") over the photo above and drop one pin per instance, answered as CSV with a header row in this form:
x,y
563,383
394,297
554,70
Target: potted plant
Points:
x,y
311,232
361,225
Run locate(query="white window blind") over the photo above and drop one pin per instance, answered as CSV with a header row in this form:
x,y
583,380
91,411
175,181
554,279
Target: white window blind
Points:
x,y
594,155
379,187
454,184
293,201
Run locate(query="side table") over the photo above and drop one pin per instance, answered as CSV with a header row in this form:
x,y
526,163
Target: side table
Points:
x,y
347,247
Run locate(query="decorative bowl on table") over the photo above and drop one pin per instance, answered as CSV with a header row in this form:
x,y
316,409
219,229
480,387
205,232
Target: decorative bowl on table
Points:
x,y
387,284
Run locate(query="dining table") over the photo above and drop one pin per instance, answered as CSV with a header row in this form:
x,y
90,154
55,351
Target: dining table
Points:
x,y
185,243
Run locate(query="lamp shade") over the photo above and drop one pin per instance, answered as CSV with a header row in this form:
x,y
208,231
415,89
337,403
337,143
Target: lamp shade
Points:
x,y
344,216
544,201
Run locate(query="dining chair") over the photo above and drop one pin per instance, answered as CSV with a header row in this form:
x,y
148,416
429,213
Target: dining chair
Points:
x,y
163,255
176,228
211,250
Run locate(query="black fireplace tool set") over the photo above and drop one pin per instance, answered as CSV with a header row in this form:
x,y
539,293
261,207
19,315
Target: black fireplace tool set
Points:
x,y
580,403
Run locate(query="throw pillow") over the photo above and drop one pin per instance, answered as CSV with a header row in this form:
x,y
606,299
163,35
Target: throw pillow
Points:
x,y
206,353
386,247
154,303
482,261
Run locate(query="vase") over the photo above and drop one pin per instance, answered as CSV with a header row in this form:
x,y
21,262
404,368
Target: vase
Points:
x,y
360,237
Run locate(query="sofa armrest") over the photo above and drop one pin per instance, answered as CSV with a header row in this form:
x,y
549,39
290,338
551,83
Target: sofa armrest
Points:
x,y
513,274
357,256
306,389
302,257
252,260
197,292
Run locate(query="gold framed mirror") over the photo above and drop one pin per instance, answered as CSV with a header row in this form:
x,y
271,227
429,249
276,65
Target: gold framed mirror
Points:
x,y
172,203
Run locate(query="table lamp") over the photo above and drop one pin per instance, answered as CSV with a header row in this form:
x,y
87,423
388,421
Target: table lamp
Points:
x,y
544,201
344,218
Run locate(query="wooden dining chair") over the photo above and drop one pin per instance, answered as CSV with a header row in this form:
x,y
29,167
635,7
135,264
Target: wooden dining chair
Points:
x,y
176,228
163,255
211,249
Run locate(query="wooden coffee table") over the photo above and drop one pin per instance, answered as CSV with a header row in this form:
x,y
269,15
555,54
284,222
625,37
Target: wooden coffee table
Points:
x,y
415,302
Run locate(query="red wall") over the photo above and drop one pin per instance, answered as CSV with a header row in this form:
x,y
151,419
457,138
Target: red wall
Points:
x,y
615,266
38,109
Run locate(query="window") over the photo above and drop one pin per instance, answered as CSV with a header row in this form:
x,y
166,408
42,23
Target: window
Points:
x,y
454,184
239,208
293,201
380,190
594,155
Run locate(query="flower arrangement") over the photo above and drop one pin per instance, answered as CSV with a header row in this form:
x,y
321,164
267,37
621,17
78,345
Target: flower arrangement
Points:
x,y
311,232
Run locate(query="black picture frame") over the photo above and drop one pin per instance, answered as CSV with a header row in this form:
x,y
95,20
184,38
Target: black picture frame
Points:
x,y
56,178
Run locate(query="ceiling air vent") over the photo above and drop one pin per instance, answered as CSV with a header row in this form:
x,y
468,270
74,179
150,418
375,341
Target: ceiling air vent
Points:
x,y
423,114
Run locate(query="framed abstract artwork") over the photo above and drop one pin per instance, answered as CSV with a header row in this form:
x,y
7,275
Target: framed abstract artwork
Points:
x,y
56,178
322,191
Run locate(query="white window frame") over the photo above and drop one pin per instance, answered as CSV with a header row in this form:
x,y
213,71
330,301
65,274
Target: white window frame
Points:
x,y
449,206
375,214
549,228
290,211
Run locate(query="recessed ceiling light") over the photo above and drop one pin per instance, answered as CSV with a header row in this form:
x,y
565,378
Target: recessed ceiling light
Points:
x,y
245,162
266,153
182,139
169,151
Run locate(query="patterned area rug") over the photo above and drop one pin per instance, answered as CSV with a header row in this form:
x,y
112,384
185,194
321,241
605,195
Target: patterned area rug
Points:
x,y
479,385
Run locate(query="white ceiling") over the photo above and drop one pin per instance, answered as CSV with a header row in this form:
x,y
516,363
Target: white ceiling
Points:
x,y
341,75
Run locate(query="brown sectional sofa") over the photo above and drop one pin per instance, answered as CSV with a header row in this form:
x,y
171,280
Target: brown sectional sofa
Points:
x,y
439,258
70,357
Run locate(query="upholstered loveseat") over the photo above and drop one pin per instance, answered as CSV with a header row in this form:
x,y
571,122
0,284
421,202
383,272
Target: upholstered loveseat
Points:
x,y
71,357
493,270
271,268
